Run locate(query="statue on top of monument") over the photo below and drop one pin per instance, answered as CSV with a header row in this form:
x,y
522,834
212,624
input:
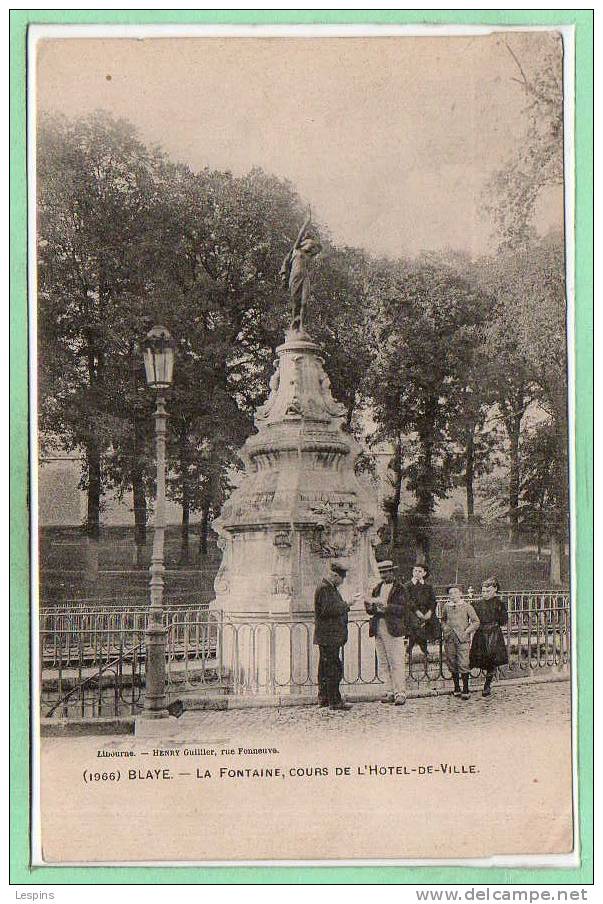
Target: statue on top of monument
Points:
x,y
295,271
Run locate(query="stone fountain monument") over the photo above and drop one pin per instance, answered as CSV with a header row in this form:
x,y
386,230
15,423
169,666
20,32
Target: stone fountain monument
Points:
x,y
298,506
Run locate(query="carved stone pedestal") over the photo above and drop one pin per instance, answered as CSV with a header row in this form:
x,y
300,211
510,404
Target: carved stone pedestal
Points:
x,y
298,507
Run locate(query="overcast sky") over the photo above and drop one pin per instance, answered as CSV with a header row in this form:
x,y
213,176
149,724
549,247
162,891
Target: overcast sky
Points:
x,y
391,140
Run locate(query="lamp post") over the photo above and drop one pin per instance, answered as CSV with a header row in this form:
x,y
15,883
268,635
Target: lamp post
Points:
x,y
159,364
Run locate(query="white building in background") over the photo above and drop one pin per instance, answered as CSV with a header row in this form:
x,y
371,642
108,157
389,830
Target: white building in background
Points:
x,y
62,502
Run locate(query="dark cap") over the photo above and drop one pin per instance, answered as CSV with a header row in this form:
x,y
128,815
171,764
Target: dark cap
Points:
x,y
338,568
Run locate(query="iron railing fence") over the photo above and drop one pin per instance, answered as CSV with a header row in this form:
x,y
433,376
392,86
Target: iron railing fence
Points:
x,y
92,663
279,657
88,640
88,676
86,637
524,600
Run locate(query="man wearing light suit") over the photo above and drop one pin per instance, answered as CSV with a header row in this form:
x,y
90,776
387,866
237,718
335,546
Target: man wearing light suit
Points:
x,y
387,607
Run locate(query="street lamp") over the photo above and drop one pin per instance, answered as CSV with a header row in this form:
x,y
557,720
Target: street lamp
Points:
x,y
158,352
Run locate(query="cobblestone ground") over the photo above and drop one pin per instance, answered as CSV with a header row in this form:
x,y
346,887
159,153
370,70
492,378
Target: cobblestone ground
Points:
x,y
537,705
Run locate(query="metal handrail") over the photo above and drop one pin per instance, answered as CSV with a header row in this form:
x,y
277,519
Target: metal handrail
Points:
x,y
97,674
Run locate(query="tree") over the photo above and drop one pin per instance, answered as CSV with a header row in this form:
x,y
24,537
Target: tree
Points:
x,y
533,305
426,329
228,237
475,432
229,309
537,164
507,369
202,455
128,240
544,501
95,215
541,338
526,343
341,321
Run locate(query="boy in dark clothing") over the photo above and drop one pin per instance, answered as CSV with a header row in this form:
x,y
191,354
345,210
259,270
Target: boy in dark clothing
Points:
x,y
423,626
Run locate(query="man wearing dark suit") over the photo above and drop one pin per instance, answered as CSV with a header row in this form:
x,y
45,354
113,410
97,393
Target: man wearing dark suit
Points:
x,y
387,607
423,625
330,634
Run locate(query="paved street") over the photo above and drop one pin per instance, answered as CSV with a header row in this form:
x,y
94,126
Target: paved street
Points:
x,y
519,707
538,705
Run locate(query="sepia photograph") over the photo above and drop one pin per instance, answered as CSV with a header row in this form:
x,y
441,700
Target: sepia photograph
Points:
x,y
301,421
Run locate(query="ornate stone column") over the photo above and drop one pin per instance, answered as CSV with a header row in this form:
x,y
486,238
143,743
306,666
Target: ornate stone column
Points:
x,y
299,505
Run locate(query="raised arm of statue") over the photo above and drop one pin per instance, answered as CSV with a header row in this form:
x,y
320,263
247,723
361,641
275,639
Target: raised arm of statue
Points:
x,y
303,230
295,271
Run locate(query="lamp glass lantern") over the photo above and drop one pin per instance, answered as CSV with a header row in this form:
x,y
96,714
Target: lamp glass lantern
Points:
x,y
158,352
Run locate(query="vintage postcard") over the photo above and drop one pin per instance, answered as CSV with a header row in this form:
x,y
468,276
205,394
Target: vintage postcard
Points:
x,y
302,412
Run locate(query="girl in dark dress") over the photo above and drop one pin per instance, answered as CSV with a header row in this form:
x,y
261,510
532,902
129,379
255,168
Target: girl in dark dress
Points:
x,y
488,648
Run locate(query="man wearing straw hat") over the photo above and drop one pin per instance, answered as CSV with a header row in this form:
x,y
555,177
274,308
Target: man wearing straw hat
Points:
x,y
387,607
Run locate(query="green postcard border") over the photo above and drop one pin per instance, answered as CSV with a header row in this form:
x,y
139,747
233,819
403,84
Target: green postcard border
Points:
x,y
20,870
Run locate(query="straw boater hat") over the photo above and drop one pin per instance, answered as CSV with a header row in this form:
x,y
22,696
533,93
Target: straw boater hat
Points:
x,y
386,565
